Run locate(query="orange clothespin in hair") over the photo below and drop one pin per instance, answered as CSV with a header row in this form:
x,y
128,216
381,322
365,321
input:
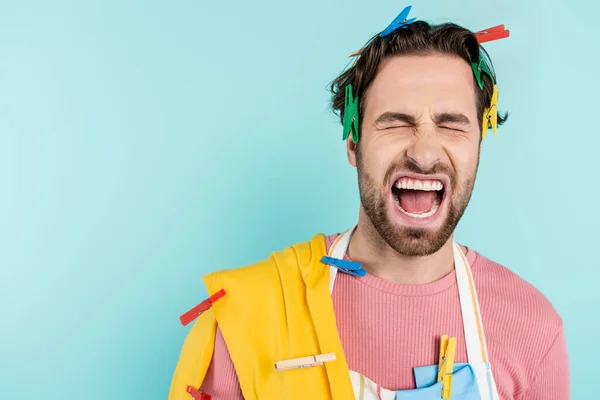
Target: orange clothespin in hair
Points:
x,y
198,395
200,308
494,33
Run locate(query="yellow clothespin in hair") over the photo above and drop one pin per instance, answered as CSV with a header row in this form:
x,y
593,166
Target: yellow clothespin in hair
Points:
x,y
446,364
490,115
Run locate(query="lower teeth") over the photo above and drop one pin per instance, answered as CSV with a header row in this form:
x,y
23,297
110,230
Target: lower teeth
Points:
x,y
434,208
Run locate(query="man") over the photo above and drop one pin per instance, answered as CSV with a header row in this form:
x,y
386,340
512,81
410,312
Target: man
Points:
x,y
393,308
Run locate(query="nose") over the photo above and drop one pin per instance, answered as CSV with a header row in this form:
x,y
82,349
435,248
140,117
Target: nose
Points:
x,y
425,151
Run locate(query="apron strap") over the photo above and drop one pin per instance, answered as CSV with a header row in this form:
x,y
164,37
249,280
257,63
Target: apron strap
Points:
x,y
469,306
473,327
338,250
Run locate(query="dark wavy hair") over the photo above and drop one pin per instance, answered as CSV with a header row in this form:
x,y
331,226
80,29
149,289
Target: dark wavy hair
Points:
x,y
418,38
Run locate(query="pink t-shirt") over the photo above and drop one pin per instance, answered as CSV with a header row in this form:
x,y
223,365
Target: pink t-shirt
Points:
x,y
386,329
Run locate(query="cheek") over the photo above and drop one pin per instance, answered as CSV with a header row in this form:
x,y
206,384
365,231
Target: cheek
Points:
x,y
377,156
465,158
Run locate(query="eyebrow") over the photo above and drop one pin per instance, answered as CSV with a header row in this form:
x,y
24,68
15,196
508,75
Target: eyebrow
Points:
x,y
395,117
440,118
456,118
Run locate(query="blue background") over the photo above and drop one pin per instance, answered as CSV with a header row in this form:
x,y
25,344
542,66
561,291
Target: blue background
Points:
x,y
144,144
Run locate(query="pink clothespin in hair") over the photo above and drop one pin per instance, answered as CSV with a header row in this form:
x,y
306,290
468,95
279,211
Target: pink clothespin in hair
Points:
x,y
200,308
197,395
494,33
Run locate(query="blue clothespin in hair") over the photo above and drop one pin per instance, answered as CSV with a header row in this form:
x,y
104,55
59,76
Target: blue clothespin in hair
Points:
x,y
401,21
348,267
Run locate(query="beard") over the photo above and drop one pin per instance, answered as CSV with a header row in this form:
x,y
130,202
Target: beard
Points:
x,y
409,241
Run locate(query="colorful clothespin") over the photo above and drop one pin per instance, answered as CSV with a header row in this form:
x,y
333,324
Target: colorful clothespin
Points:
x,y
349,267
200,308
196,394
304,362
490,115
350,115
355,53
482,67
446,364
401,21
494,33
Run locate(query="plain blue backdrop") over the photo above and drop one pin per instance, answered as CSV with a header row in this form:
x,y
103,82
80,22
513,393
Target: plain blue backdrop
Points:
x,y
144,144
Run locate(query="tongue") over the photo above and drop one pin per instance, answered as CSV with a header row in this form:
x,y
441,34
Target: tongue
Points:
x,y
417,201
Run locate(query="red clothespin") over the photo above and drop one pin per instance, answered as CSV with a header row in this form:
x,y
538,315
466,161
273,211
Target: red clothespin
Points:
x,y
197,395
494,33
200,308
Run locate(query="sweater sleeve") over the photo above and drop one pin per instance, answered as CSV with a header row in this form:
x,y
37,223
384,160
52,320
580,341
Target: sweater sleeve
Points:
x,y
221,381
552,380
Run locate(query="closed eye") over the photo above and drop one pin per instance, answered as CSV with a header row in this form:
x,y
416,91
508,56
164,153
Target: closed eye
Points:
x,y
452,128
395,127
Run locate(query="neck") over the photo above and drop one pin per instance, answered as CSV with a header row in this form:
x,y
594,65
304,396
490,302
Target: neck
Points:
x,y
381,260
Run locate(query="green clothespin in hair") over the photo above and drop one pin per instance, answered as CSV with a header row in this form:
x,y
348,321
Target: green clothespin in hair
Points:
x,y
350,115
480,67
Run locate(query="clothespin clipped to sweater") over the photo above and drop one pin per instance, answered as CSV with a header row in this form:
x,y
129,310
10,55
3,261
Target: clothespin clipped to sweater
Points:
x,y
200,308
198,395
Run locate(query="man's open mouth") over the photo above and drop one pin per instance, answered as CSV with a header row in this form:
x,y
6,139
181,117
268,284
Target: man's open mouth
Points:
x,y
418,198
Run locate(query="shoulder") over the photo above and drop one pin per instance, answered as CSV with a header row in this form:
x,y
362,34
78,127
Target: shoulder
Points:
x,y
289,261
508,293
516,315
521,325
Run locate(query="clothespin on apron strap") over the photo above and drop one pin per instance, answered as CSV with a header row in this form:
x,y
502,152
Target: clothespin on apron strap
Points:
x,y
200,308
304,362
349,267
198,395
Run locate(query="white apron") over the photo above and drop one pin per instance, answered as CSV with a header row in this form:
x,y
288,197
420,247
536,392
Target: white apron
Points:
x,y
472,381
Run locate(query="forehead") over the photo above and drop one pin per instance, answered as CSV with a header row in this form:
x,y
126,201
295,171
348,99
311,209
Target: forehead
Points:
x,y
417,82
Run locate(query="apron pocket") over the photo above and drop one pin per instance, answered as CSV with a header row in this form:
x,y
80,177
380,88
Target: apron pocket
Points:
x,y
464,384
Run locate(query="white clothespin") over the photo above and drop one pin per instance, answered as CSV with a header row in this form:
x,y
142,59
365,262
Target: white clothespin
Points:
x,y
304,362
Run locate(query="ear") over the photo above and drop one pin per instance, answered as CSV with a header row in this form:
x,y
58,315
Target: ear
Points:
x,y
351,151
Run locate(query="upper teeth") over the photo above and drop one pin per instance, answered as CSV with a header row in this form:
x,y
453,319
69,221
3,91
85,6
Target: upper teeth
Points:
x,y
418,184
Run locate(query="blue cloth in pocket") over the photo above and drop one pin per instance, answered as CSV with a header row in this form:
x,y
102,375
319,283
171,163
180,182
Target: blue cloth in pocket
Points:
x,y
464,384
